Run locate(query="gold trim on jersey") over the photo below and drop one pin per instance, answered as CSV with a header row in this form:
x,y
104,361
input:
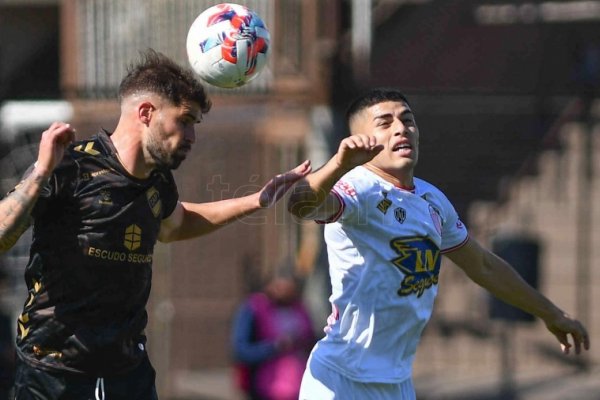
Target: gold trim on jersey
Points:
x,y
89,149
23,319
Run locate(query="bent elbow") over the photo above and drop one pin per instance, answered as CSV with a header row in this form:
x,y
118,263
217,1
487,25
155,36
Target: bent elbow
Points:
x,y
302,210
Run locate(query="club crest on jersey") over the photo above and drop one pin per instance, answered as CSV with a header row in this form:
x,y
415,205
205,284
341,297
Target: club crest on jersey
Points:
x,y
419,259
384,204
154,201
436,218
400,214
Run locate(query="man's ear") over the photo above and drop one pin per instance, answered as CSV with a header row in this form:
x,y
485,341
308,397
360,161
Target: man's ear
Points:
x,y
145,112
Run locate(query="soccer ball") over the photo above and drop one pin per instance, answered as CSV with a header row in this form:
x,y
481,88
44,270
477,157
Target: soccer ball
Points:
x,y
228,45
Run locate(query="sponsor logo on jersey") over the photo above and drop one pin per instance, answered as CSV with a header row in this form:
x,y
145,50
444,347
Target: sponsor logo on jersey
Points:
x,y
132,241
120,256
419,259
400,214
154,201
133,237
346,188
384,204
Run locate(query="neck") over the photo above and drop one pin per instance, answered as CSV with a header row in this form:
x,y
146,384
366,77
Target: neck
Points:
x,y
401,179
130,152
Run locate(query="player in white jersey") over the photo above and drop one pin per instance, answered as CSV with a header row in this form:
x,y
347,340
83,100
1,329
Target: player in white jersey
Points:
x,y
386,231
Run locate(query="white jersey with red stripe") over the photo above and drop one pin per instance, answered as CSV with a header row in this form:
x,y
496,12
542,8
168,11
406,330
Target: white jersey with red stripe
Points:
x,y
384,248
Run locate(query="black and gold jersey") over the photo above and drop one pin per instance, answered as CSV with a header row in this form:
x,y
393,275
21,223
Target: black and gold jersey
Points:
x,y
89,272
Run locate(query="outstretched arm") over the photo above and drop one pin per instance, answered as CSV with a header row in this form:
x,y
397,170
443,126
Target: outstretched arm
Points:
x,y
311,198
499,278
190,220
15,208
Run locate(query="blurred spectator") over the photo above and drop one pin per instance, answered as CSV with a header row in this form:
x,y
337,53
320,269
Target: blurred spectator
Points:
x,y
272,338
7,345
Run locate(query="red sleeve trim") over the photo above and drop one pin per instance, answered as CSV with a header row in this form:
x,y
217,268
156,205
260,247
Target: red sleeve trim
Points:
x,y
338,214
458,246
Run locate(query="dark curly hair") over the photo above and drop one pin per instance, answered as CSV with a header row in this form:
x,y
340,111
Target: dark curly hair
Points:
x,y
156,73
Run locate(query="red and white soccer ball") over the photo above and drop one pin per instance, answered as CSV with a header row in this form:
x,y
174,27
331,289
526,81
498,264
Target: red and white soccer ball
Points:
x,y
228,45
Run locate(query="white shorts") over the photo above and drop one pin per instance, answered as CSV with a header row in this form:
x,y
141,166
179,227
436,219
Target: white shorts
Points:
x,y
322,383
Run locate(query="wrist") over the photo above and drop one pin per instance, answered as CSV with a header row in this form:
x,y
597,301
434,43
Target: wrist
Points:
x,y
552,314
259,200
41,171
340,168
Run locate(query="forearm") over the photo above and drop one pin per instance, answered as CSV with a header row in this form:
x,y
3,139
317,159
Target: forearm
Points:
x,y
203,218
310,194
16,207
501,280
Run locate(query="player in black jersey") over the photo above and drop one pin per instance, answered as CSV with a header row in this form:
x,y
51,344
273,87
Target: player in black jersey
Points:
x,y
98,206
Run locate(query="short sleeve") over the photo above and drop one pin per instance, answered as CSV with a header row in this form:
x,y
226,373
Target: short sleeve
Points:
x,y
454,232
53,187
168,193
346,194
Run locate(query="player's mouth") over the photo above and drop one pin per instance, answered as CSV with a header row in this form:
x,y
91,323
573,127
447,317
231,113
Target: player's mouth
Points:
x,y
403,149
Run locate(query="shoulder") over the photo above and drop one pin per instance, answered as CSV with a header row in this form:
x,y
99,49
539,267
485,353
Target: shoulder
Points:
x,y
434,196
428,191
92,147
165,178
356,183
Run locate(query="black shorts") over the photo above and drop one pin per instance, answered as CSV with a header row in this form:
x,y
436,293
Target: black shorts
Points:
x,y
36,384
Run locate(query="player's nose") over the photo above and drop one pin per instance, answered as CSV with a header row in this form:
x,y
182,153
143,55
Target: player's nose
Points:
x,y
189,135
399,128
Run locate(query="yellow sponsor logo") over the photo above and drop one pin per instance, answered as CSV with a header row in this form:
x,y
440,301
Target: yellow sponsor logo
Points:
x,y
133,237
417,285
419,259
121,256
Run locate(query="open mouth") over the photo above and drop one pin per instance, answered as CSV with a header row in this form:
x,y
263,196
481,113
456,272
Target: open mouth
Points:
x,y
402,147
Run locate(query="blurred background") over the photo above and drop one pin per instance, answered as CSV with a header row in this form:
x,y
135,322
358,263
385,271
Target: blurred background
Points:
x,y
506,97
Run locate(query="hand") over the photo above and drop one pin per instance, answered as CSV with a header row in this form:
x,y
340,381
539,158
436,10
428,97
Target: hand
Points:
x,y
356,150
280,184
52,146
563,326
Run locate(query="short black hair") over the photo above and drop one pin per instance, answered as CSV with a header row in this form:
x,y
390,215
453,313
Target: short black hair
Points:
x,y
372,97
156,73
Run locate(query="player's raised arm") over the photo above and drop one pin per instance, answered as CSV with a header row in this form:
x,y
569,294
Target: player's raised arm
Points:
x,y
16,207
311,198
190,220
500,279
